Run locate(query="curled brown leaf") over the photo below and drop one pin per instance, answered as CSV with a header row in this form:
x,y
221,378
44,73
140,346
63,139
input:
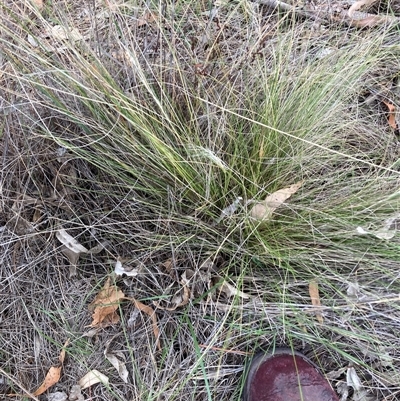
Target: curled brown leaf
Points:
x,y
149,311
392,114
105,305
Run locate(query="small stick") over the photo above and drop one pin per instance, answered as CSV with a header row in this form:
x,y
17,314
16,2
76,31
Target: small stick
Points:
x,y
358,19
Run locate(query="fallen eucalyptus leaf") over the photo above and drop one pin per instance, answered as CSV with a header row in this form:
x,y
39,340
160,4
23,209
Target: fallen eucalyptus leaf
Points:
x,y
70,242
37,347
105,305
59,32
72,249
392,222
353,380
232,291
334,374
148,18
263,210
32,41
73,258
150,312
60,152
118,365
54,373
52,377
132,318
363,395
91,333
38,3
93,377
384,233
361,231
342,390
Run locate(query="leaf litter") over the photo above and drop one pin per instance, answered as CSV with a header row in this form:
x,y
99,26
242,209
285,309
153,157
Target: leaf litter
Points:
x,y
221,288
105,305
54,373
60,33
72,249
93,377
386,232
38,3
263,211
358,4
150,312
116,359
352,380
231,291
191,279
391,115
180,299
353,290
70,242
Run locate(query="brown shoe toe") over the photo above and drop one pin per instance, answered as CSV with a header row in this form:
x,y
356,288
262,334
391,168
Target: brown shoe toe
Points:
x,y
286,376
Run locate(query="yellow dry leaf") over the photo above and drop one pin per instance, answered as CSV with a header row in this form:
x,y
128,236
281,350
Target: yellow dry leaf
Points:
x,y
91,378
53,375
232,291
263,210
315,300
149,311
276,199
105,305
59,32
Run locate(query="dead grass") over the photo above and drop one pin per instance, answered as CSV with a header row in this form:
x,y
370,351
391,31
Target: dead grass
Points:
x,y
140,134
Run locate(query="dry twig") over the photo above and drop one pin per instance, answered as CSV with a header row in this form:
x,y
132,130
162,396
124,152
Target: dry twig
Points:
x,y
357,19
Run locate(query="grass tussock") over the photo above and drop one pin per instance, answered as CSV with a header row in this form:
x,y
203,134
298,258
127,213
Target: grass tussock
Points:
x,y
139,126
